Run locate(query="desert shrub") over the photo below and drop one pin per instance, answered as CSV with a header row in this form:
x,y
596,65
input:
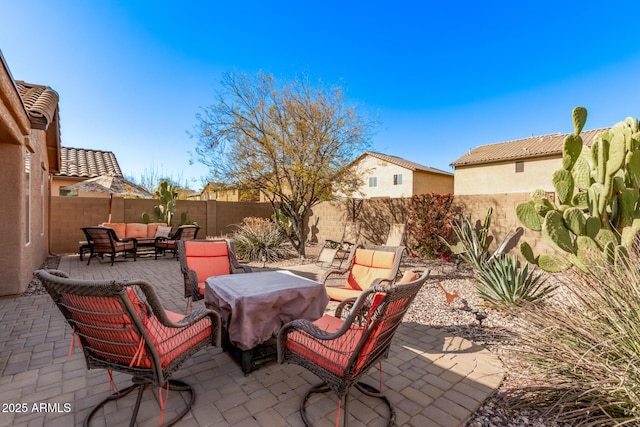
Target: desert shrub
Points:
x,y
502,283
472,241
259,239
499,279
588,348
430,216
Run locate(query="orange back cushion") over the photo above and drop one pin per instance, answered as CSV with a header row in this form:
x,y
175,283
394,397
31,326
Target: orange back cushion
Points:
x,y
136,230
207,258
120,228
369,265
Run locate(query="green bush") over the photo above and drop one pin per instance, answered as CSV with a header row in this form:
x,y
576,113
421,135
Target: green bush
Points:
x,y
588,349
503,284
259,239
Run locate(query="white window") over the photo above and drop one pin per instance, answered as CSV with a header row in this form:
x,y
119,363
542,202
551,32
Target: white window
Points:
x,y
397,179
373,181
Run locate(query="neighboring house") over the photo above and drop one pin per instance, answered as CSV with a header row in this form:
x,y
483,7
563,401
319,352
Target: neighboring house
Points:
x,y
395,177
29,153
501,176
518,166
79,164
223,193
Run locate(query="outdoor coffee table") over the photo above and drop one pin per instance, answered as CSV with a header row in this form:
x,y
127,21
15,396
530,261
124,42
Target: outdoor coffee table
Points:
x,y
254,306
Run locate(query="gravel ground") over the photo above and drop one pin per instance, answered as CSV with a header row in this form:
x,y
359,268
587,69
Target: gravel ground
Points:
x,y
462,317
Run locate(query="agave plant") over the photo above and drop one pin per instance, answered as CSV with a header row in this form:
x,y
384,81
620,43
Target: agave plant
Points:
x,y
502,283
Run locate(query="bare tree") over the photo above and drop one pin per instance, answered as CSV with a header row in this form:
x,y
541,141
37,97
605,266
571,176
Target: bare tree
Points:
x,y
292,142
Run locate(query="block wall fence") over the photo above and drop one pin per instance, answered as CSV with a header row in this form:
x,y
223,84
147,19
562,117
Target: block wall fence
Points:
x,y
326,220
70,214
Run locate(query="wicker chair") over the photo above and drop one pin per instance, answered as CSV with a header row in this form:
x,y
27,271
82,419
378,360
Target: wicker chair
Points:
x,y
200,259
184,232
340,352
122,326
366,266
103,240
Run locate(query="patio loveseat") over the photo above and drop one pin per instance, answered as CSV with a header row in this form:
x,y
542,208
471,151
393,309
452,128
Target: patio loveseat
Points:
x,y
144,234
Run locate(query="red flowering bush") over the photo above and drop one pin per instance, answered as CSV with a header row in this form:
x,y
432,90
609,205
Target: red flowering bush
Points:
x,y
430,216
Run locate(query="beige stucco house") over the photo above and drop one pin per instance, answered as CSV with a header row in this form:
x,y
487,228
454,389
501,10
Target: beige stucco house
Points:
x,y
503,175
29,154
80,164
519,166
223,193
390,176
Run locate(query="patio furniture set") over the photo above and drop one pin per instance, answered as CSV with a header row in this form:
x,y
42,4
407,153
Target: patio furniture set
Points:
x,y
254,316
133,238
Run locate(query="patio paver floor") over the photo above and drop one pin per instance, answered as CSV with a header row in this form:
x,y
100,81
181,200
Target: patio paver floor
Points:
x,y
432,377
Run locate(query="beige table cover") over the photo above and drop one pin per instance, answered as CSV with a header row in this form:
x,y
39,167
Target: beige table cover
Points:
x,y
254,306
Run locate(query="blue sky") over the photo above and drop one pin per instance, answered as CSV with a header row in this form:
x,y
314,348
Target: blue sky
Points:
x,y
442,77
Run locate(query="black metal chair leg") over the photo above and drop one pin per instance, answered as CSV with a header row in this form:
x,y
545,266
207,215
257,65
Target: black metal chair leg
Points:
x,y
141,385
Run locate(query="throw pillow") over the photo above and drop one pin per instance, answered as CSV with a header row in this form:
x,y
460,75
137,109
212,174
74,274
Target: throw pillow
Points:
x,y
163,231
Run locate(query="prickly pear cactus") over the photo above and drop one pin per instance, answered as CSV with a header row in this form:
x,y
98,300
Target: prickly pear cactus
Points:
x,y
167,196
598,191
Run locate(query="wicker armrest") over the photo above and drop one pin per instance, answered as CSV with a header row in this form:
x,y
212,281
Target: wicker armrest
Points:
x,y
241,269
334,275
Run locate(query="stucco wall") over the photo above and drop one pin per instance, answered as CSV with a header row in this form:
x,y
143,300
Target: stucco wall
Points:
x,y
58,182
498,178
427,183
384,172
413,182
19,257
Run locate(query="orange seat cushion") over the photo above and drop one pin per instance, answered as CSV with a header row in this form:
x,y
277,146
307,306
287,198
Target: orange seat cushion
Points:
x,y
332,355
341,293
369,265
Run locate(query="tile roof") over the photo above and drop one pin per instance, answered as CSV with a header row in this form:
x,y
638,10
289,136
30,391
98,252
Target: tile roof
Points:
x,y
88,163
535,146
399,161
41,102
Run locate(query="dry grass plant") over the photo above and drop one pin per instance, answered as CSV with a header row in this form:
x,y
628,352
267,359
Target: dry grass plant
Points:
x,y
259,239
587,348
